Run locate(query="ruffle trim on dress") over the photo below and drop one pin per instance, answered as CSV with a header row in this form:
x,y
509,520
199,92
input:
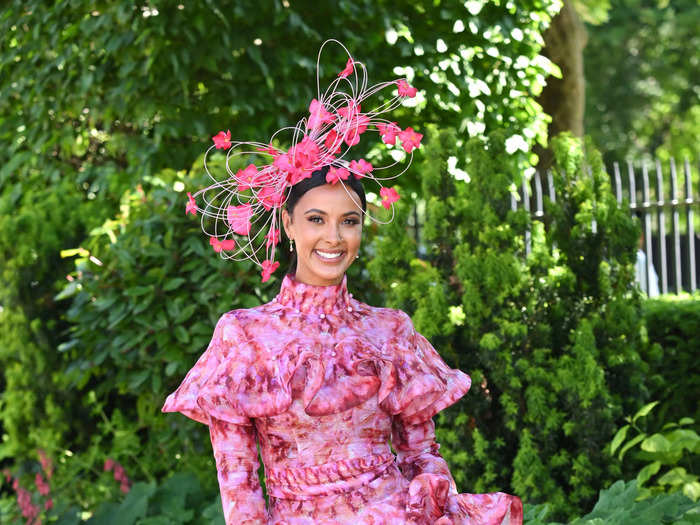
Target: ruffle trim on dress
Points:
x,y
237,378
430,502
305,483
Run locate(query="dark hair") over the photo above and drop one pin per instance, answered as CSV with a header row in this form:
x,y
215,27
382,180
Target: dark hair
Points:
x,y
318,178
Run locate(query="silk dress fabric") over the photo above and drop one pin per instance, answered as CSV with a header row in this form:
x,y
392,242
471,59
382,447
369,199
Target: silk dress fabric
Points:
x,y
323,382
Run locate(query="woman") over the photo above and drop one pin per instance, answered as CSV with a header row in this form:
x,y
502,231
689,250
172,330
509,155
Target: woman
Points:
x,y
319,380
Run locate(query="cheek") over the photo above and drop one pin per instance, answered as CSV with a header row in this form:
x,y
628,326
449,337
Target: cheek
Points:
x,y
355,238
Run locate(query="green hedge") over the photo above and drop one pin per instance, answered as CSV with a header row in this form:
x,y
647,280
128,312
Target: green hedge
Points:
x,y
673,329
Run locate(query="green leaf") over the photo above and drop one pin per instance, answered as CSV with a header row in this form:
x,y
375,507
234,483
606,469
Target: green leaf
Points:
x,y
181,334
647,472
644,410
619,438
172,284
692,490
632,442
676,476
656,443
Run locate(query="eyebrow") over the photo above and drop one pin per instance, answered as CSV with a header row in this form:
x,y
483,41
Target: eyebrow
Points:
x,y
316,210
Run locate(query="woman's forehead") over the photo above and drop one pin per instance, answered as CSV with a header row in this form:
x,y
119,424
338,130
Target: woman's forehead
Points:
x,y
330,198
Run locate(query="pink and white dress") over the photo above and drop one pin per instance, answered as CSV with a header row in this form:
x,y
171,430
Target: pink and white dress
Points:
x,y
323,383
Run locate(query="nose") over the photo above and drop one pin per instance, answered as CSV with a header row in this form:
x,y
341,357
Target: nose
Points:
x,y
333,233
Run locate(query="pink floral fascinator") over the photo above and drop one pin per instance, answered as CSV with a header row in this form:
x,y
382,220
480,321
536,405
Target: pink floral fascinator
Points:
x,y
241,211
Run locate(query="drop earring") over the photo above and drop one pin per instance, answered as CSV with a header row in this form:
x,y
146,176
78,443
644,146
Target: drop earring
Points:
x,y
291,245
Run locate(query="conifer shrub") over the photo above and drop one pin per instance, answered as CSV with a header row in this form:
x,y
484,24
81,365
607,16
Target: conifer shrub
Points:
x,y
551,340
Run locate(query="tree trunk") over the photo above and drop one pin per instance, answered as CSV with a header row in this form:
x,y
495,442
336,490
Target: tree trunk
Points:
x,y
563,98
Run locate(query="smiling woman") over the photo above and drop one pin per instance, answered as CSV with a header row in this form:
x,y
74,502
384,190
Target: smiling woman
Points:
x,y
325,221
320,381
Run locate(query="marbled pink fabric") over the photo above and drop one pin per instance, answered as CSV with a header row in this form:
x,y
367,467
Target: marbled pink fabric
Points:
x,y
323,383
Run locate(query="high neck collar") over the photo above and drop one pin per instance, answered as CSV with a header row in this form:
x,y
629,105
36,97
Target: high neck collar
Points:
x,y
314,298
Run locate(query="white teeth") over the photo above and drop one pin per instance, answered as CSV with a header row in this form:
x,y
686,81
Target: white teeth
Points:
x,y
329,255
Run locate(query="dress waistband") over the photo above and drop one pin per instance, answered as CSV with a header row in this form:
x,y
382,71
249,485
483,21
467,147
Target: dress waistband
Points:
x,y
304,483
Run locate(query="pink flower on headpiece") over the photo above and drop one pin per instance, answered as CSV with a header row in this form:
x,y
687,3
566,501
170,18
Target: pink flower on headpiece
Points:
x,y
226,245
405,90
388,195
284,164
410,139
247,178
361,167
333,140
350,111
268,267
270,197
191,206
388,132
273,236
222,140
319,115
335,174
357,127
238,218
306,153
348,69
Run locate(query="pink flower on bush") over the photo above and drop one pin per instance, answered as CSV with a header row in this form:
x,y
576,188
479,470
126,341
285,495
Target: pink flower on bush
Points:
x,y
46,464
41,485
119,472
24,500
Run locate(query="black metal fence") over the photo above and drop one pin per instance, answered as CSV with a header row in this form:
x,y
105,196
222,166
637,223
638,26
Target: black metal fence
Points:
x,y
668,210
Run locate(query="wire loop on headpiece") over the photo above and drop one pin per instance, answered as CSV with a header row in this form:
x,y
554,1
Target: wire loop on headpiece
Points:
x,y
241,212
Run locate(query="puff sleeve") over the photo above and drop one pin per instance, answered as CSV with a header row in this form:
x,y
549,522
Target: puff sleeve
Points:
x,y
201,395
424,386
233,435
419,383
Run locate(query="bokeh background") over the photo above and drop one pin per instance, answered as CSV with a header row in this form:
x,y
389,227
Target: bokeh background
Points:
x,y
585,389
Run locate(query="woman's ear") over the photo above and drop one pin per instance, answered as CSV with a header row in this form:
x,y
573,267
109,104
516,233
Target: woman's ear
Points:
x,y
287,223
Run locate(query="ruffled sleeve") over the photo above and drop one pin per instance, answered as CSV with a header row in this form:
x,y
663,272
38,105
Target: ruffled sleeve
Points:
x,y
416,382
432,493
199,395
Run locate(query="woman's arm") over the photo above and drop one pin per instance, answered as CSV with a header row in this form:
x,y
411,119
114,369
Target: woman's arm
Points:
x,y
236,455
417,450
420,462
